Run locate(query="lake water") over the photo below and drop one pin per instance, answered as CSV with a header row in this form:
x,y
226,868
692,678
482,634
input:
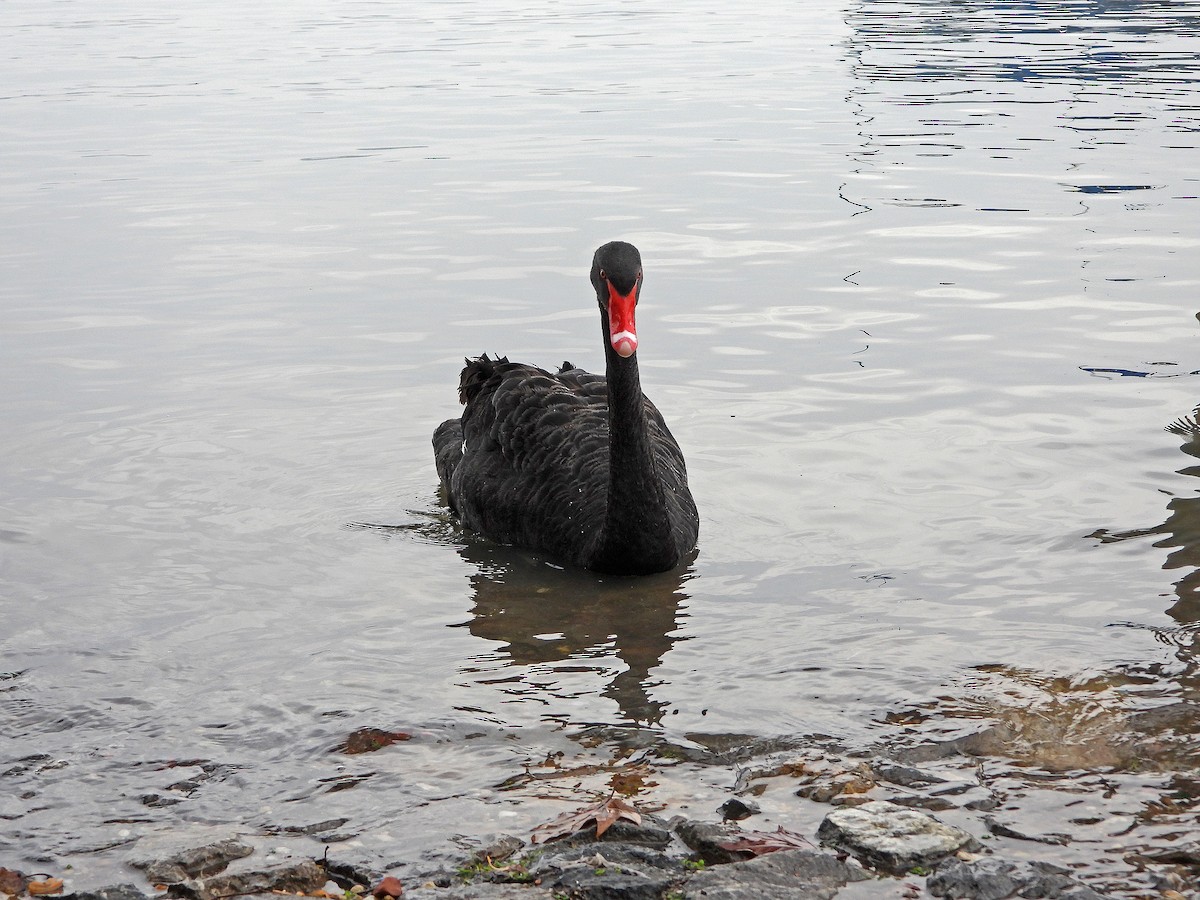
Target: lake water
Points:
x,y
920,307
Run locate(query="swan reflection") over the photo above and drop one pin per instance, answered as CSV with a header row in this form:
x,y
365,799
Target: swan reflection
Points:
x,y
562,620
1180,532
546,617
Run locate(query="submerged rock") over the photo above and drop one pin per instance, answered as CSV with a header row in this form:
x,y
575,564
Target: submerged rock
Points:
x,y
905,776
608,871
197,862
302,877
327,826
933,804
996,879
114,892
999,829
786,875
994,740
891,837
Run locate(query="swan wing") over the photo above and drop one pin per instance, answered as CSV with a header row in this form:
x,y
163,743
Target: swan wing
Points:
x,y
534,456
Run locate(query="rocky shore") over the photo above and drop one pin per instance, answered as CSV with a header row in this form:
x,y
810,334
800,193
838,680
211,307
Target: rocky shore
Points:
x,y
877,849
930,822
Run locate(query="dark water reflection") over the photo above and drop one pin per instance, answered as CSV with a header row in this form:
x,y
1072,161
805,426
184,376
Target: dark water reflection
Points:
x,y
1180,533
545,617
969,42
549,620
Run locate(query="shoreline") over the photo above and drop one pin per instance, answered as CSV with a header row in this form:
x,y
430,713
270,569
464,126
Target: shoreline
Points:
x,y
924,822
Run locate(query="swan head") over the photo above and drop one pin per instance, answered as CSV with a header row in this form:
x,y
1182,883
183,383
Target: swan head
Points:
x,y
617,278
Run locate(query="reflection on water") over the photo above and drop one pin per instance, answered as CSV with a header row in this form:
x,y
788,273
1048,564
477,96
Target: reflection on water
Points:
x,y
1168,370
546,618
1044,40
549,620
1181,531
1026,92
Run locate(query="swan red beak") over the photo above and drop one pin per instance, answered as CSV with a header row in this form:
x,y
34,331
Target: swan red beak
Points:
x,y
622,331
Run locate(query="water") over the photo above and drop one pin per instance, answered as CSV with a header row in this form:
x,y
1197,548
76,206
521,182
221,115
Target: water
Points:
x,y
919,307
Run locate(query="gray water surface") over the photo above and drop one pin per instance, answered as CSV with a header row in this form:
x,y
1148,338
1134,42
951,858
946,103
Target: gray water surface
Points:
x,y
920,306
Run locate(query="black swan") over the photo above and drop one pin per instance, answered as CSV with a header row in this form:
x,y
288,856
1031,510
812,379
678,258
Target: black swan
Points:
x,y
578,466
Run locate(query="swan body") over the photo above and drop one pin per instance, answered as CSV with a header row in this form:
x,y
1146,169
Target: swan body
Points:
x,y
581,467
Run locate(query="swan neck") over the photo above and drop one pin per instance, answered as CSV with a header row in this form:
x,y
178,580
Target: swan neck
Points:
x,y
637,532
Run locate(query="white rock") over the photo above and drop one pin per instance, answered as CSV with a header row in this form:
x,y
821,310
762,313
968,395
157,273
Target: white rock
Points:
x,y
892,837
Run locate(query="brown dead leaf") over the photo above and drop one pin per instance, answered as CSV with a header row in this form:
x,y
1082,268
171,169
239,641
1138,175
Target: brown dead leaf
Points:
x,y
12,881
41,888
604,814
630,781
389,887
758,843
616,809
368,740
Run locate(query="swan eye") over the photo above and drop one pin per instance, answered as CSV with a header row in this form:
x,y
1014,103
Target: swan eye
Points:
x,y
603,275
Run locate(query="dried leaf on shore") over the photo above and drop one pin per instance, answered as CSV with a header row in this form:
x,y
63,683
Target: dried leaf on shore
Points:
x,y
389,887
604,814
12,881
758,843
42,888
